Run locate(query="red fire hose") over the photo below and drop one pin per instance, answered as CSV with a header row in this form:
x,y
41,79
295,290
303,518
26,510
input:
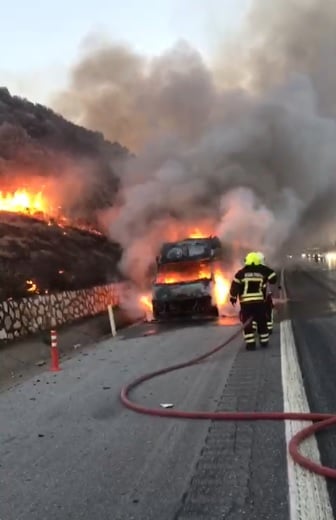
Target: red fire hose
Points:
x,y
322,420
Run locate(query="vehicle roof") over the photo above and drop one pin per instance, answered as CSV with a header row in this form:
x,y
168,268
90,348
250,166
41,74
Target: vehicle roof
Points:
x,y
186,250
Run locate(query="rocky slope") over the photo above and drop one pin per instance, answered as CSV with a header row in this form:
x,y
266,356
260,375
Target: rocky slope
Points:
x,y
36,141
37,257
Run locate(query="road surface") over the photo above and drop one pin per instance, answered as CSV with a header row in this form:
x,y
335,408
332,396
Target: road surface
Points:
x,y
69,450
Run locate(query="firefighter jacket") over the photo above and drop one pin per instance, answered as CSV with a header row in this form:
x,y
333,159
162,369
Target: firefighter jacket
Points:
x,y
250,282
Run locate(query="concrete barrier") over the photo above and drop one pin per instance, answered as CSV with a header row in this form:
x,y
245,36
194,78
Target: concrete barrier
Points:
x,y
19,318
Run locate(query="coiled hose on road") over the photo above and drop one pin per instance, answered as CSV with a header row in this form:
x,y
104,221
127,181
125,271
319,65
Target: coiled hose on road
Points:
x,y
321,420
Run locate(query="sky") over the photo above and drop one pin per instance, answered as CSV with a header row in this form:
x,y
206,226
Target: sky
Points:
x,y
40,39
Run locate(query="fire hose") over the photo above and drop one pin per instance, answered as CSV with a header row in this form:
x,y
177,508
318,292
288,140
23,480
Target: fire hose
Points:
x,y
320,421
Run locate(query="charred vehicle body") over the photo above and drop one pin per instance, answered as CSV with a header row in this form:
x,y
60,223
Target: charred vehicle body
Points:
x,y
185,278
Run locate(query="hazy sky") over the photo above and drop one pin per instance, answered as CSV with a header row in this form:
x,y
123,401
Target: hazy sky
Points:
x,y
41,38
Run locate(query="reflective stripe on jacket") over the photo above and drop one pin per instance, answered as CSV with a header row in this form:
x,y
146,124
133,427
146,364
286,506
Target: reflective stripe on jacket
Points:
x,y
249,283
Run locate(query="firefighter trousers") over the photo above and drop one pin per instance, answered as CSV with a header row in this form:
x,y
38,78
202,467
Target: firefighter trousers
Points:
x,y
269,312
257,311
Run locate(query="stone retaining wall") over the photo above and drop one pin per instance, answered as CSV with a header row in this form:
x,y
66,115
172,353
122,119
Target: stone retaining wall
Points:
x,y
28,315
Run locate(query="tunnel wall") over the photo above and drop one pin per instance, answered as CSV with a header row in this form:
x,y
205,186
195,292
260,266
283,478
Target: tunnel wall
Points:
x,y
42,312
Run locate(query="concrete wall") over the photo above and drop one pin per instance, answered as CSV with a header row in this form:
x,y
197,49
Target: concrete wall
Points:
x,y
28,315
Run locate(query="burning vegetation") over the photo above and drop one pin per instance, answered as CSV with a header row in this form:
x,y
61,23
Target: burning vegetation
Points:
x,y
42,250
41,206
55,177
38,257
22,201
53,167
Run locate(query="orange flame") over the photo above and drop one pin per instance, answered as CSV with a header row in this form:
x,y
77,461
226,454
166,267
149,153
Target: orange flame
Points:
x,y
222,288
22,201
197,233
197,272
31,286
146,302
40,205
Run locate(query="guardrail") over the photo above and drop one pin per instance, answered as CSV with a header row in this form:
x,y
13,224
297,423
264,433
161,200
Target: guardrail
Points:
x,y
19,318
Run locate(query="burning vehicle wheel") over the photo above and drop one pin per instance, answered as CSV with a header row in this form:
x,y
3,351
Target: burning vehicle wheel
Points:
x,y
156,311
215,311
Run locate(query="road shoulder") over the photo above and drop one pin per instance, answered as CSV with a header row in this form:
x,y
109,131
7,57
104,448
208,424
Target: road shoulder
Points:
x,y
24,358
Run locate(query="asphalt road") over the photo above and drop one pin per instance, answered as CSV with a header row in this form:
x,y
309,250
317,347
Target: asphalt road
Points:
x,y
69,450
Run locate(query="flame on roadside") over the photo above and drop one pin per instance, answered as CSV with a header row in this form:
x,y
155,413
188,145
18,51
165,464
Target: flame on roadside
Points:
x,y
221,288
145,300
147,307
31,286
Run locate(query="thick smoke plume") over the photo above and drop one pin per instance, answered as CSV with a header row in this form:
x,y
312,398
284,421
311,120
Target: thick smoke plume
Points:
x,y
244,147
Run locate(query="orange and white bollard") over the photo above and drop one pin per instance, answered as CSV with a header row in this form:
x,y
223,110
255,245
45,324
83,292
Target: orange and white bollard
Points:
x,y
54,352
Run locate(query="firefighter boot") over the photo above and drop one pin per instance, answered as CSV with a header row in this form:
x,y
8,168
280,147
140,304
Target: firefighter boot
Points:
x,y
251,346
250,340
264,339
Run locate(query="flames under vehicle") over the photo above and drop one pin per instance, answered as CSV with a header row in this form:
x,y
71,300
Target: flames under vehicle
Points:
x,y
185,279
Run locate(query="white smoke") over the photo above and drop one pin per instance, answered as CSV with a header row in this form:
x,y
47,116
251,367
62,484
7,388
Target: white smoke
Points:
x,y
243,147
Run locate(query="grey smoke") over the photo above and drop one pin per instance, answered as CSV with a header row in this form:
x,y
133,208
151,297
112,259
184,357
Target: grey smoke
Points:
x,y
247,145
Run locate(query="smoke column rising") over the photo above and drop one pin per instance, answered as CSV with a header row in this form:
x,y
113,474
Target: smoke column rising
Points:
x,y
245,147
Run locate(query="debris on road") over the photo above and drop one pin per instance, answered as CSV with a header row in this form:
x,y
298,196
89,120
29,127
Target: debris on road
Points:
x,y
40,363
150,332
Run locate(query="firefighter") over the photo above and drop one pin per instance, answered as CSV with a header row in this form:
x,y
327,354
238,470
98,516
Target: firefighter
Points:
x,y
249,285
267,295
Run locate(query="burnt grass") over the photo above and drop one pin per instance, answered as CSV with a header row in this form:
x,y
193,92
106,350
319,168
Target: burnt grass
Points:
x,y
53,258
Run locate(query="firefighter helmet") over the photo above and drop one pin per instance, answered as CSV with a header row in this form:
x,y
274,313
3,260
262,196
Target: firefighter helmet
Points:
x,y
252,258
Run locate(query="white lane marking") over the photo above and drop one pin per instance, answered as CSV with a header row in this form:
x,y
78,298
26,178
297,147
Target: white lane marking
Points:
x,y
308,493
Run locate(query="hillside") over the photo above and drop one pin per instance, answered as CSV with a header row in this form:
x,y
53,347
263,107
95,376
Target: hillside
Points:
x,y
36,141
36,253
36,257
